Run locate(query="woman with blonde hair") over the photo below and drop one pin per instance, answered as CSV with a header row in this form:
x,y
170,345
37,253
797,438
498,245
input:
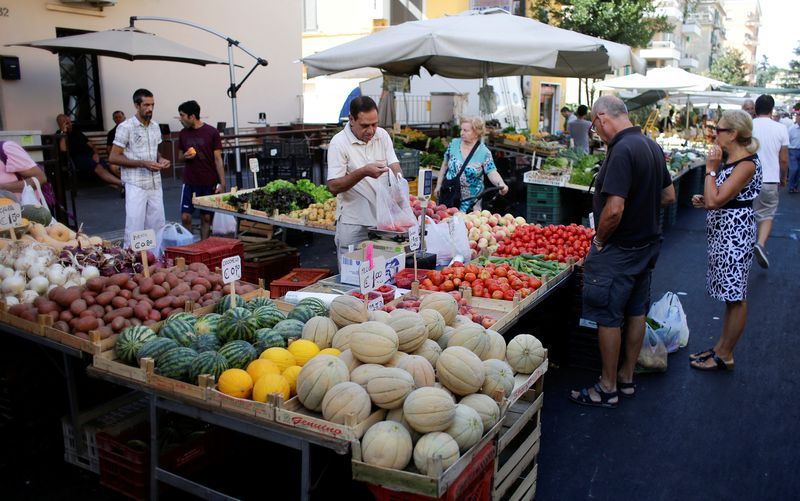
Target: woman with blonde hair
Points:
x,y
465,162
728,196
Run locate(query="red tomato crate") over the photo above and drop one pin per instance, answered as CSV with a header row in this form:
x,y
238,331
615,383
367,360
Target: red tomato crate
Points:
x,y
210,251
474,483
296,280
405,276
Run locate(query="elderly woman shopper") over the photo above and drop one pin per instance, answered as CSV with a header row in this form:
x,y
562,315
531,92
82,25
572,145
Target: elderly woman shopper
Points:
x,y
17,168
728,195
457,182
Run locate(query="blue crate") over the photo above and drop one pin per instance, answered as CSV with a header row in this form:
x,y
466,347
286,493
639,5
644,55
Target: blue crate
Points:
x,y
409,162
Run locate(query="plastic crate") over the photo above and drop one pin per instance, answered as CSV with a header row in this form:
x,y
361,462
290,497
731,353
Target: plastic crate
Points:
x,y
283,169
210,251
544,215
404,277
270,269
539,195
303,167
409,162
273,148
296,280
296,147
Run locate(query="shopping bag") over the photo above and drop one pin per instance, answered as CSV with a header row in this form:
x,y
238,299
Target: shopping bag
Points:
x,y
448,240
223,225
393,211
669,321
653,355
32,195
176,235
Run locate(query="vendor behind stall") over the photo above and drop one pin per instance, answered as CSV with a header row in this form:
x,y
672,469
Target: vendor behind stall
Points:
x,y
357,156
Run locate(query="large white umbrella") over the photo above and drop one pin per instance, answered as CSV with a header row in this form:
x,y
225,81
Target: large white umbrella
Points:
x,y
477,44
667,79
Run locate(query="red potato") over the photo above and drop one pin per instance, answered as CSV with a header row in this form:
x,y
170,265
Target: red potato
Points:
x,y
87,313
105,298
176,310
158,277
52,314
154,315
108,309
119,279
193,296
178,301
163,302
112,288
200,289
217,287
125,312
198,267
181,288
119,302
78,306
65,316
132,303
86,324
172,280
44,305
105,332
125,293
96,284
130,285
118,324
201,281
98,310
157,292
146,284
148,323
166,311
62,326
81,335
134,321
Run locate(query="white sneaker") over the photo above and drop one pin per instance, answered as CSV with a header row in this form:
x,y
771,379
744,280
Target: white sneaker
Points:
x,y
761,256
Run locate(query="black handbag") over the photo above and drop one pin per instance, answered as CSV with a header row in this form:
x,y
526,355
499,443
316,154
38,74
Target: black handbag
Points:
x,y
450,192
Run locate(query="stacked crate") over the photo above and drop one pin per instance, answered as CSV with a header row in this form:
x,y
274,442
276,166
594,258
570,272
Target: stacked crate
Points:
x,y
544,204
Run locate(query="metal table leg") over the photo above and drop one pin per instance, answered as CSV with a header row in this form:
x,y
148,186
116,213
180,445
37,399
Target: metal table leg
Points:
x,y
153,447
72,395
305,471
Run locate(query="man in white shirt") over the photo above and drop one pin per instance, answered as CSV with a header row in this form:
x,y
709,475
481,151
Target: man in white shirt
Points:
x,y
773,151
794,154
786,120
750,107
358,157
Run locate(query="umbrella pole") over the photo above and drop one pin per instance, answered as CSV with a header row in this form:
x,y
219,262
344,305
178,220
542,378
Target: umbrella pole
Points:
x,y
235,113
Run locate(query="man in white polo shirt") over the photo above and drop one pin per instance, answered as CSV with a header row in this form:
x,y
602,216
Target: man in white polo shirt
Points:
x,y
773,151
357,157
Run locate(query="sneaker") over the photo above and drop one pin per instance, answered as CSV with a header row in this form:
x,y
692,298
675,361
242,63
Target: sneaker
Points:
x,y
761,256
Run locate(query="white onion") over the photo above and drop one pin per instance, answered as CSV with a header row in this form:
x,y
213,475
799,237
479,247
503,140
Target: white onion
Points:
x,y
11,300
28,296
56,274
90,272
39,284
5,272
14,284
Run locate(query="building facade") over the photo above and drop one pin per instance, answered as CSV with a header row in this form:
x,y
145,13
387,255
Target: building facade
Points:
x,y
679,47
710,16
742,22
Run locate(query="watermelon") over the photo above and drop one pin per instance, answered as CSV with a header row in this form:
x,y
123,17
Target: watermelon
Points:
x,y
130,340
225,304
259,301
268,316
315,304
154,347
302,313
179,330
207,324
238,353
208,362
289,328
268,338
186,317
237,323
205,342
175,363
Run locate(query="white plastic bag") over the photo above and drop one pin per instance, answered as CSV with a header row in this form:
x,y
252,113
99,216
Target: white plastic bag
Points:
x,y
447,243
393,211
176,235
653,355
34,196
223,225
671,325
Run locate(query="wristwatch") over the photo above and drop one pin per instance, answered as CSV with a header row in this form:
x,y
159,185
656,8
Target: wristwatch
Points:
x,y
711,173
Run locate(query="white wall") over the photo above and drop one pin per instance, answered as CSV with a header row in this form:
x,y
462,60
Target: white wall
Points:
x,y
271,29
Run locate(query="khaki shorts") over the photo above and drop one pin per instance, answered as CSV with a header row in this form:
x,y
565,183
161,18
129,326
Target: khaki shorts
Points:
x,y
346,235
766,203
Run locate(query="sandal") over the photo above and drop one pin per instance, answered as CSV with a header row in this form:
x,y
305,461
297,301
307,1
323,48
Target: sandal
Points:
x,y
584,398
621,387
702,355
719,364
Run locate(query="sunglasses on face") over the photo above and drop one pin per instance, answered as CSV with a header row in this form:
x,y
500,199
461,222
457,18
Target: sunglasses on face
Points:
x,y
722,129
593,128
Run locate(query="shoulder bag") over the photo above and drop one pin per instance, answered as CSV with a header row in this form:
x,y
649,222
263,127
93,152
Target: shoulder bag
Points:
x,y
450,193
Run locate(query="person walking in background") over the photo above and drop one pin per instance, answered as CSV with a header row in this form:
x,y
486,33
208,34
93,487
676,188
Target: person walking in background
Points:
x,y
632,185
136,150
568,117
749,107
786,120
794,154
118,117
83,153
200,146
773,139
728,196
579,130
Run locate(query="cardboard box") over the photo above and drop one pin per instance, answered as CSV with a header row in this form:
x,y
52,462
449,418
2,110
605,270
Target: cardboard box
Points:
x,y
386,245
352,260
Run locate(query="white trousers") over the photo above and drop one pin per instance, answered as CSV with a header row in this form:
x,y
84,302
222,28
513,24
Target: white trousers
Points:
x,y
144,210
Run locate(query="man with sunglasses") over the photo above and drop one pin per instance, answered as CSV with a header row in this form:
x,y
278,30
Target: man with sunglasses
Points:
x,y
632,185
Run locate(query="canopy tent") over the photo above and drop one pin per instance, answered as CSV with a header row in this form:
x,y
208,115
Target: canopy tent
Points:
x,y
667,79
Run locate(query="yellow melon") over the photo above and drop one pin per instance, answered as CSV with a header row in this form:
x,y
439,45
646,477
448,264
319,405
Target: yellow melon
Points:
x,y
303,351
236,383
330,351
261,366
271,383
282,357
291,374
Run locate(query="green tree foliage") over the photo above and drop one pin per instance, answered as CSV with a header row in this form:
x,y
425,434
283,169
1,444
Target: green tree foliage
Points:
x,y
791,79
729,67
765,72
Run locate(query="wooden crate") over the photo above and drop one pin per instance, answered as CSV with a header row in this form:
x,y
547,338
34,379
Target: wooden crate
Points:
x,y
524,382
261,410
502,311
292,413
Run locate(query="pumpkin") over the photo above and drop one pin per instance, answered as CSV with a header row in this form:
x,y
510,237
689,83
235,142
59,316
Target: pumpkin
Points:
x,y
419,368
363,373
320,330
271,383
315,379
341,340
435,445
410,329
445,337
347,310
466,428
429,409
460,370
442,302
236,383
373,343
291,374
387,444
349,360
434,323
346,398
398,416
396,358
389,388
430,350
303,350
525,353
261,366
379,316
499,377
497,346
471,336
282,357
487,408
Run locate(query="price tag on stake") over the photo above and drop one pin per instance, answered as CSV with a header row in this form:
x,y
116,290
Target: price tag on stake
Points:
x,y
413,238
254,165
10,216
231,269
366,277
143,240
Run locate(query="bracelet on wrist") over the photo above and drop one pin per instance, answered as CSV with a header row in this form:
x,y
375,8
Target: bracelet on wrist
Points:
x,y
597,242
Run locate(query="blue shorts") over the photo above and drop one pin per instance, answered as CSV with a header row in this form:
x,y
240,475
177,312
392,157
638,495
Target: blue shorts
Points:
x,y
187,190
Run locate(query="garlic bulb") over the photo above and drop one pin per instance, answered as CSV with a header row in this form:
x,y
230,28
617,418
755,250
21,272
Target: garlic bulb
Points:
x,y
39,284
14,284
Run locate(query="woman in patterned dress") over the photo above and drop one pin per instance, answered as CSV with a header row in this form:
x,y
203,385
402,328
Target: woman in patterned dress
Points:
x,y
728,196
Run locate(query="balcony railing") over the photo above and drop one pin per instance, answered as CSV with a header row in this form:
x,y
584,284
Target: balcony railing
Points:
x,y
691,28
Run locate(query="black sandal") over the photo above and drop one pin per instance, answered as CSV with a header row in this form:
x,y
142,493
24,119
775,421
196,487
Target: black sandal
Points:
x,y
626,386
584,398
702,355
719,364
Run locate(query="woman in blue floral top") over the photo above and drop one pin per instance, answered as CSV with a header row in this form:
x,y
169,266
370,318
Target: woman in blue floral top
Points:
x,y
481,163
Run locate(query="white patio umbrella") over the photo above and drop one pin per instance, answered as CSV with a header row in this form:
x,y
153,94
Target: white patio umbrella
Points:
x,y
477,44
667,79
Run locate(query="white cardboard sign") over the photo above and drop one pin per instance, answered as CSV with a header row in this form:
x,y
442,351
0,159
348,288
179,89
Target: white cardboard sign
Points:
x,y
231,269
143,240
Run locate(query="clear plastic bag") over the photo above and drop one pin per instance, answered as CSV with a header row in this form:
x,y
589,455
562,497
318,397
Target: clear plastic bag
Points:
x,y
223,225
447,240
393,206
653,355
672,326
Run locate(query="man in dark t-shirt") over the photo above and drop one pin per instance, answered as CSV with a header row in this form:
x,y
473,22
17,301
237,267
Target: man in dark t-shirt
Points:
x,y
632,185
83,153
118,117
200,146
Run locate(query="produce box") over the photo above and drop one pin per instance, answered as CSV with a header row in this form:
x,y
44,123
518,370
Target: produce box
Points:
x,y
297,279
395,262
293,414
210,251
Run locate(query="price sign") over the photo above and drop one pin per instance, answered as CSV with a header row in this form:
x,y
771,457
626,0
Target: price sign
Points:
x,y
366,276
425,183
143,240
254,165
10,216
591,220
413,238
379,270
375,304
231,269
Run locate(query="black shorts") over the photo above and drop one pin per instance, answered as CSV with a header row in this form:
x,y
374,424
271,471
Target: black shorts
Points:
x,y
616,283
187,190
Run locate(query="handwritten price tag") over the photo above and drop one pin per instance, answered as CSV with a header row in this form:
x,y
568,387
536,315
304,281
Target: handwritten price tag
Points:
x,y
231,269
10,216
366,277
254,165
143,240
379,270
413,238
375,304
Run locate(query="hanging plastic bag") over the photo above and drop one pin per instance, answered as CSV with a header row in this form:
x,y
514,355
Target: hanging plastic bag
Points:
x,y
32,195
447,240
653,355
669,321
393,207
223,225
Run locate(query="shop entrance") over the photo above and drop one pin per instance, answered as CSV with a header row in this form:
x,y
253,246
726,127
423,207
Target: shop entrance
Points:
x,y
549,97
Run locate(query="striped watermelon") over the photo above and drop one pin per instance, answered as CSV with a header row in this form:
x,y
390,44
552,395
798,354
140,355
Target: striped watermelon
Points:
x,y
237,323
208,362
315,304
260,301
205,342
186,317
130,340
289,328
268,338
179,330
154,347
225,303
207,324
268,316
238,353
175,363
302,313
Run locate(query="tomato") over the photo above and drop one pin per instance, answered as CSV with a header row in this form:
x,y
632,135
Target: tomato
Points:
x,y
457,282
509,295
448,285
470,277
500,272
426,284
436,277
458,264
497,295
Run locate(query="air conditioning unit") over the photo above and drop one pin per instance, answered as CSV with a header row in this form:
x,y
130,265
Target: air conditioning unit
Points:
x,y
94,3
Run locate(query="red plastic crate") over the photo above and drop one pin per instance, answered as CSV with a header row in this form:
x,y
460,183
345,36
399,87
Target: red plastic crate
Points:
x,y
210,251
296,280
405,276
474,483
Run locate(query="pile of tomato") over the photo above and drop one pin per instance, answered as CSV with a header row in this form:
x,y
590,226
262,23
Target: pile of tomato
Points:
x,y
490,281
556,243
